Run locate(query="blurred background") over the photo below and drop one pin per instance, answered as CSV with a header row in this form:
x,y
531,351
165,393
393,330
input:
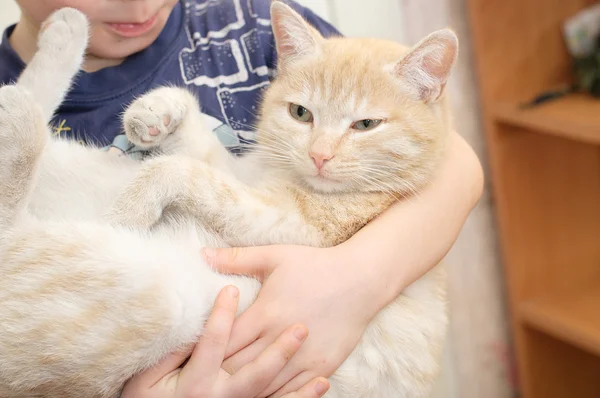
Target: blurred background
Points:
x,y
525,272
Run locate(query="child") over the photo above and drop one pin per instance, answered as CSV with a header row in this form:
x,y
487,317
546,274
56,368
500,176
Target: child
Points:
x,y
223,50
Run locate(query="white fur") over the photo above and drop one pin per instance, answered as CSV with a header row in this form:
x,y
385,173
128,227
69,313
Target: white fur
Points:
x,y
74,188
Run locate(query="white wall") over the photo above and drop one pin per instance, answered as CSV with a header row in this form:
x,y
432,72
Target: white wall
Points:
x,y
9,13
375,18
321,7
359,18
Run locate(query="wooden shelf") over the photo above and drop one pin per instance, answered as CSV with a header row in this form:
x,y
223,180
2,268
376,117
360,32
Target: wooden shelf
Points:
x,y
576,116
545,168
574,319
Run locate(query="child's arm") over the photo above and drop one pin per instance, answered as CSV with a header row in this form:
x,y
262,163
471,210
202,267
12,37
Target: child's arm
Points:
x,y
337,291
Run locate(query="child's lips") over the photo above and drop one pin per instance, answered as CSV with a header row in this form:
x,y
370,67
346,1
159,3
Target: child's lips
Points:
x,y
128,29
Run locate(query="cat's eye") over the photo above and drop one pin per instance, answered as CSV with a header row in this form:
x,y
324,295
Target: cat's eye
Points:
x,y
366,124
300,113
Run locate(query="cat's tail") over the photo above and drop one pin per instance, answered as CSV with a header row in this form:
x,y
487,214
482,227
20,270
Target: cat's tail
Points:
x,y
62,43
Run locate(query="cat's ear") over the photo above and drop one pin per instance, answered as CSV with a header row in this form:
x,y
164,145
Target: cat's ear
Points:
x,y
294,36
426,68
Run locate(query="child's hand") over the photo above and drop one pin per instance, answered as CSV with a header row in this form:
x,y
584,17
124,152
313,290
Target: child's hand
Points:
x,y
203,377
301,284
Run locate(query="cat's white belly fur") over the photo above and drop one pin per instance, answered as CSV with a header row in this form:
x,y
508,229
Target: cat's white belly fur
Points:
x,y
79,183
394,348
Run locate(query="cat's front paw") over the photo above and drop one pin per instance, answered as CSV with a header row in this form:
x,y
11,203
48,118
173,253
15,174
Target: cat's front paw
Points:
x,y
65,32
154,119
132,210
142,203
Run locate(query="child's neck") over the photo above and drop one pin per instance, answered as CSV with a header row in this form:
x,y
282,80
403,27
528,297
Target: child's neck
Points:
x,y
24,41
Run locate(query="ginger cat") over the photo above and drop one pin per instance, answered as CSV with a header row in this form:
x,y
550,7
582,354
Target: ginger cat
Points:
x,y
100,255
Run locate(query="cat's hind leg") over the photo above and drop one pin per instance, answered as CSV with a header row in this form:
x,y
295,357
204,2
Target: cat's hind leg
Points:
x,y
62,42
167,120
23,135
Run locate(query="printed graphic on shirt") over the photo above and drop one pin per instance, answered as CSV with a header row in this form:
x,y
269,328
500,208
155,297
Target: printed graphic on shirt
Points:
x,y
254,55
240,98
263,16
212,64
61,128
228,57
231,17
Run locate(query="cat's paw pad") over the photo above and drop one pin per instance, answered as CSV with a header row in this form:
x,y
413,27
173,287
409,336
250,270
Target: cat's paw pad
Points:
x,y
151,119
66,31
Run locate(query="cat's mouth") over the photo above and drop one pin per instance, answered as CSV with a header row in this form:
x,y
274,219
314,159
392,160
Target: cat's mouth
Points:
x,y
323,176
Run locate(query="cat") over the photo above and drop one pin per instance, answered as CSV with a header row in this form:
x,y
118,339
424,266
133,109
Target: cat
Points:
x,y
100,259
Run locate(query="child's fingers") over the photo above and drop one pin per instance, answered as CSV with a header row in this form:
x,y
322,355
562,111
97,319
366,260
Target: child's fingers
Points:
x,y
314,389
291,385
253,378
207,357
246,330
257,261
246,355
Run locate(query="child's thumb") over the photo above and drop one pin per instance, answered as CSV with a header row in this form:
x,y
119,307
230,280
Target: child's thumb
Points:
x,y
257,261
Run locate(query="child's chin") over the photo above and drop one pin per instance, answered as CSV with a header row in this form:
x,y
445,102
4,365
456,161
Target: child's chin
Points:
x,y
113,49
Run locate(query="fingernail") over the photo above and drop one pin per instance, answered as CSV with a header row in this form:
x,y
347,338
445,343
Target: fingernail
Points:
x,y
321,388
300,333
233,291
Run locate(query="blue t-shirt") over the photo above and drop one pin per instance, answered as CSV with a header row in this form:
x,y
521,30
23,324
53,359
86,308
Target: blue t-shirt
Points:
x,y
223,50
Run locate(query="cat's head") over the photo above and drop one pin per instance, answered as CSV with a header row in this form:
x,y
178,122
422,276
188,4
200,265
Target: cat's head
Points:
x,y
347,115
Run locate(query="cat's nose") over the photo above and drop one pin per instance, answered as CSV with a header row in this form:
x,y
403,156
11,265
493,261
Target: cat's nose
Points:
x,y
319,159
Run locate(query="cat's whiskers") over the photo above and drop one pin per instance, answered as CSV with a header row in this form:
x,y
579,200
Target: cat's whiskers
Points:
x,y
383,180
271,156
278,145
363,179
408,190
